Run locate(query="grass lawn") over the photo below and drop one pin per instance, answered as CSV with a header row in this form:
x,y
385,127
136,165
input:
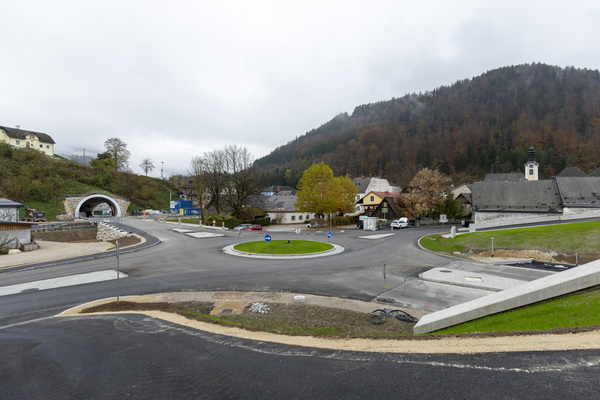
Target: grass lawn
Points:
x,y
283,247
582,237
576,310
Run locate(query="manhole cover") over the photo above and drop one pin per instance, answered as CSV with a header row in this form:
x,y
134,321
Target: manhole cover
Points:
x,y
227,311
446,271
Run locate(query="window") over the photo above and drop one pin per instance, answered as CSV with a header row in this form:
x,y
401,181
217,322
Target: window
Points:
x,y
372,198
307,216
41,146
530,171
293,217
17,142
300,218
47,146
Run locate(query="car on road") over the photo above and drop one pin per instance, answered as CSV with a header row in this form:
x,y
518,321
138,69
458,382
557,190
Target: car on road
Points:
x,y
243,226
399,223
253,227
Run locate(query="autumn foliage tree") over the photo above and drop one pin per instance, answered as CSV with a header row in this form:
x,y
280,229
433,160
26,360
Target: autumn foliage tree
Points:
x,y
426,193
321,193
118,152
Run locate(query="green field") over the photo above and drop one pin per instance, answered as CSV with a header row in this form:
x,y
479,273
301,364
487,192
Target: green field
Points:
x,y
582,237
283,247
576,310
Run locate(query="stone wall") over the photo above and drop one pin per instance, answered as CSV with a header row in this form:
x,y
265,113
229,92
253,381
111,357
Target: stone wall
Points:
x,y
108,232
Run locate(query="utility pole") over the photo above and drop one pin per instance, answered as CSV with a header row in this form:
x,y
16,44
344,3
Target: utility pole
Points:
x,y
161,170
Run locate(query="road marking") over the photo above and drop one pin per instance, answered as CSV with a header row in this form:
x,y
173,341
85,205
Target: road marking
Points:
x,y
198,235
380,236
64,281
203,235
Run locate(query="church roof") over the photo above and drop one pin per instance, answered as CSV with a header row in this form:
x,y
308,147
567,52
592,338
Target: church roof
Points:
x,y
596,172
524,196
512,177
572,172
579,191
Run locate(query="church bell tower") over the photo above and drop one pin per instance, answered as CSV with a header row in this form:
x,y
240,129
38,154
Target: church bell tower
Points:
x,y
531,166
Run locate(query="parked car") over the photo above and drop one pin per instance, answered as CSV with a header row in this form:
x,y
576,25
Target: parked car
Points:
x,y
243,226
253,227
399,223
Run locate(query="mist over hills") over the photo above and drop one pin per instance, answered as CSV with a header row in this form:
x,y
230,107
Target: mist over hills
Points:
x,y
470,128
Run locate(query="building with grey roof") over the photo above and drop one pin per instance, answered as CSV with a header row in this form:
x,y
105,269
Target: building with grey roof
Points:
x,y
24,139
562,197
281,208
572,172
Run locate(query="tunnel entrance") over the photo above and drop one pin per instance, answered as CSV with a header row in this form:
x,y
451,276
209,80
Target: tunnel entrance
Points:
x,y
86,207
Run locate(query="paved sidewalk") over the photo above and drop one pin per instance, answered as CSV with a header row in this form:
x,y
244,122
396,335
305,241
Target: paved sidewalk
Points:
x,y
52,251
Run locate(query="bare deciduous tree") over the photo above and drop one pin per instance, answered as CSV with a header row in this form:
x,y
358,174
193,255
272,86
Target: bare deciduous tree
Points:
x,y
241,181
147,165
198,171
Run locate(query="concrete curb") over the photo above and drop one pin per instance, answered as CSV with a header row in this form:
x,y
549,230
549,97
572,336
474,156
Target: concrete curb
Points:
x,y
551,286
232,252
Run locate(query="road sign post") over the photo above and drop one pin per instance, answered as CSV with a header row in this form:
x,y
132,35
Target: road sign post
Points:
x,y
118,269
267,239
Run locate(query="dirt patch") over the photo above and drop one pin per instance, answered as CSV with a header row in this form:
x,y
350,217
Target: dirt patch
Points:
x,y
304,319
192,306
72,236
125,242
84,236
291,319
554,257
553,340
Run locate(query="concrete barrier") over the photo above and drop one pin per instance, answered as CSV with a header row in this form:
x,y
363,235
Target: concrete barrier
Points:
x,y
572,280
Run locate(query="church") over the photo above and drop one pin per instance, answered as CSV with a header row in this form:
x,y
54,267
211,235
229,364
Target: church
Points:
x,y
519,198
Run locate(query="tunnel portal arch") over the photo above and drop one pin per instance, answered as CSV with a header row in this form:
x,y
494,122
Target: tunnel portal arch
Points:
x,y
87,205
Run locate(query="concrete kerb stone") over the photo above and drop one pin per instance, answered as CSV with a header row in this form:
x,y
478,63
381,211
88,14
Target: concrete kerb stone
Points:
x,y
572,280
337,249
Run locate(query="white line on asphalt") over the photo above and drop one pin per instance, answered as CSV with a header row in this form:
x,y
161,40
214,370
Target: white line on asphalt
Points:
x,y
202,235
380,236
54,283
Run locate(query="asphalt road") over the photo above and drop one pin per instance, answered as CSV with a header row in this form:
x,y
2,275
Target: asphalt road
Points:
x,y
135,356
139,357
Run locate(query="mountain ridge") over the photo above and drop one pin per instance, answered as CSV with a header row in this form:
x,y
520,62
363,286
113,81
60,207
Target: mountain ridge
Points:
x,y
467,129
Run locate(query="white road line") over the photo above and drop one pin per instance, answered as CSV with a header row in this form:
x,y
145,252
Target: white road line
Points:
x,y
54,283
380,236
202,235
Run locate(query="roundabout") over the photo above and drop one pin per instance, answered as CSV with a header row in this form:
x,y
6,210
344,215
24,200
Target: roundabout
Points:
x,y
332,250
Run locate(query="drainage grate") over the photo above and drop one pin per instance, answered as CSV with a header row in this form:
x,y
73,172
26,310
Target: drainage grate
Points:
x,y
227,311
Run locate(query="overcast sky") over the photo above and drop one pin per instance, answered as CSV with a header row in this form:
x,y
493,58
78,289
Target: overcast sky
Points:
x,y
177,79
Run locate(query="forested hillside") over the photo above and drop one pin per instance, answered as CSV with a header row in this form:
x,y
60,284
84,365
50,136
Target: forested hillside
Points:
x,y
29,177
468,129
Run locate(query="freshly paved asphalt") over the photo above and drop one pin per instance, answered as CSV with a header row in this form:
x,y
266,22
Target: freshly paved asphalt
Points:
x,y
138,357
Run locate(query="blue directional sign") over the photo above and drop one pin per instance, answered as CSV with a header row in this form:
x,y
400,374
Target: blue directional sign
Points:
x,y
329,235
267,238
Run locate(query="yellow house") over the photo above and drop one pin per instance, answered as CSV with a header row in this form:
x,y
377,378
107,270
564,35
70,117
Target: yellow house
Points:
x,y
24,139
371,200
